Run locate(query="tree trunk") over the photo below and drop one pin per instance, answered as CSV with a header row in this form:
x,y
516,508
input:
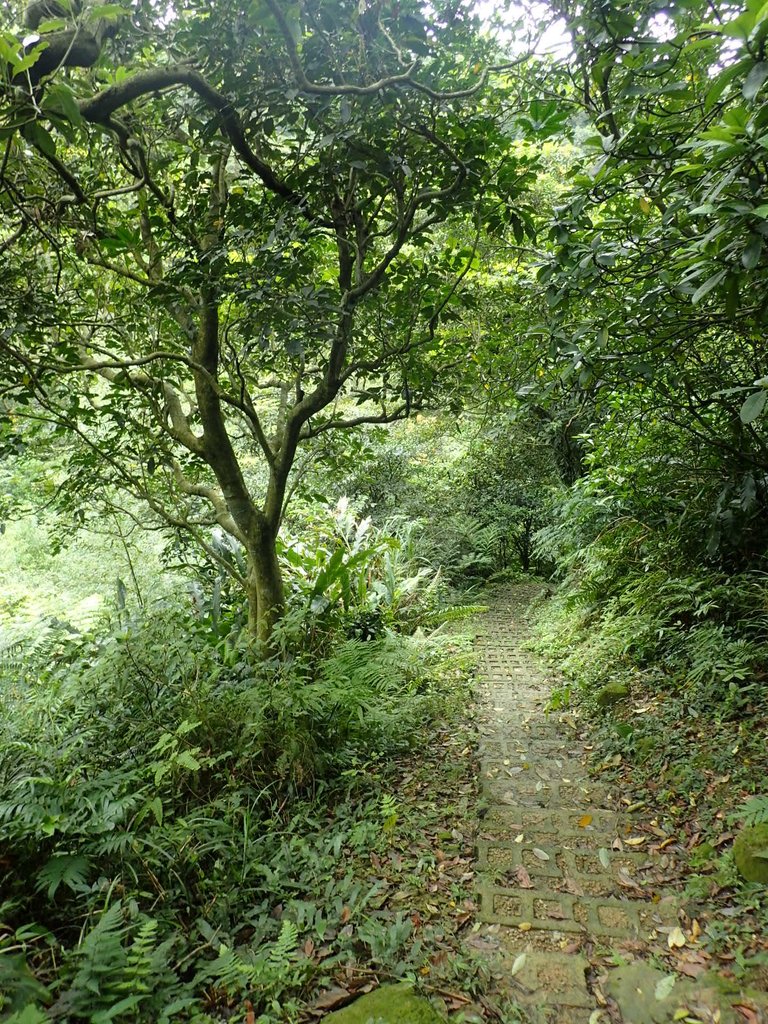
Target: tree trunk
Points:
x,y
265,590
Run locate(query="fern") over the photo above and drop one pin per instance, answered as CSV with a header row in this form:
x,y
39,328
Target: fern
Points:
x,y
286,944
102,957
754,811
70,869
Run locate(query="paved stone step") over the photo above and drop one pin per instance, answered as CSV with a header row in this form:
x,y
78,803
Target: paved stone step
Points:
x,y
600,917
535,792
550,883
541,978
557,822
578,870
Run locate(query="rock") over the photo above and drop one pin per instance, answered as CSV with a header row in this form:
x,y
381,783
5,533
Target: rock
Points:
x,y
750,851
610,694
390,1004
636,988
646,995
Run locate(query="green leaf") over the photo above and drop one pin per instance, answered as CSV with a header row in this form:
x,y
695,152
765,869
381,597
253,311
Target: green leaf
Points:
x,y
186,760
751,255
52,25
9,49
61,99
63,867
753,406
706,288
755,79
721,83
108,11
40,137
156,806
30,59
664,986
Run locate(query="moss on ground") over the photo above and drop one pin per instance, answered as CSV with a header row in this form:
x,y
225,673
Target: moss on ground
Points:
x,y
390,1004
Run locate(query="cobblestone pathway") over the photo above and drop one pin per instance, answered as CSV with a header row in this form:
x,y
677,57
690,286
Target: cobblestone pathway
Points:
x,y
549,859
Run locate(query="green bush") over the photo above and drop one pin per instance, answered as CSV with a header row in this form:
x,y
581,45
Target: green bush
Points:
x,y
163,790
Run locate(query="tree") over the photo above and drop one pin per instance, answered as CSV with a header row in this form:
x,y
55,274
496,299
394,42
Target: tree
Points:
x,y
230,213
656,281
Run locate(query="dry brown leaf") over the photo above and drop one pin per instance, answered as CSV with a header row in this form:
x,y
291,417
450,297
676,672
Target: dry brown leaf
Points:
x,y
523,878
570,886
331,999
747,1013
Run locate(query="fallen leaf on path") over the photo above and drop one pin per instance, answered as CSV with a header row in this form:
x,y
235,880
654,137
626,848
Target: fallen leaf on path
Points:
x,y
724,837
635,840
584,820
331,999
540,854
570,886
747,1013
523,878
556,913
624,879
676,938
664,987
605,858
518,965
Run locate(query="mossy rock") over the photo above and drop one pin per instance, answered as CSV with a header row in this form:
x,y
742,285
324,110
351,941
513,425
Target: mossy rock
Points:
x,y
610,694
390,1004
750,851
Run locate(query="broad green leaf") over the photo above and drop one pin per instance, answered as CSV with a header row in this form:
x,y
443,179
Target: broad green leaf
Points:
x,y
156,806
108,11
721,83
9,49
751,255
40,137
754,80
52,25
60,98
30,59
664,986
753,406
706,288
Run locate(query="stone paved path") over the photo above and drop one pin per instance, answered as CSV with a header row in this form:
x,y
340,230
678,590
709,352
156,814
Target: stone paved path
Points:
x,y
554,867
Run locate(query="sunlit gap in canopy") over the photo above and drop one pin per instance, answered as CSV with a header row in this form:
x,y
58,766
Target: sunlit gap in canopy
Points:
x,y
522,28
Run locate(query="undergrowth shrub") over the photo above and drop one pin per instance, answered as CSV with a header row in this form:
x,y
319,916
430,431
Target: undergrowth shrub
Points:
x,y
173,808
631,602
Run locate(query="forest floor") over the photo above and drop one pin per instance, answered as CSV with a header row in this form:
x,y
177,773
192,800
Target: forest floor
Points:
x,y
579,910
